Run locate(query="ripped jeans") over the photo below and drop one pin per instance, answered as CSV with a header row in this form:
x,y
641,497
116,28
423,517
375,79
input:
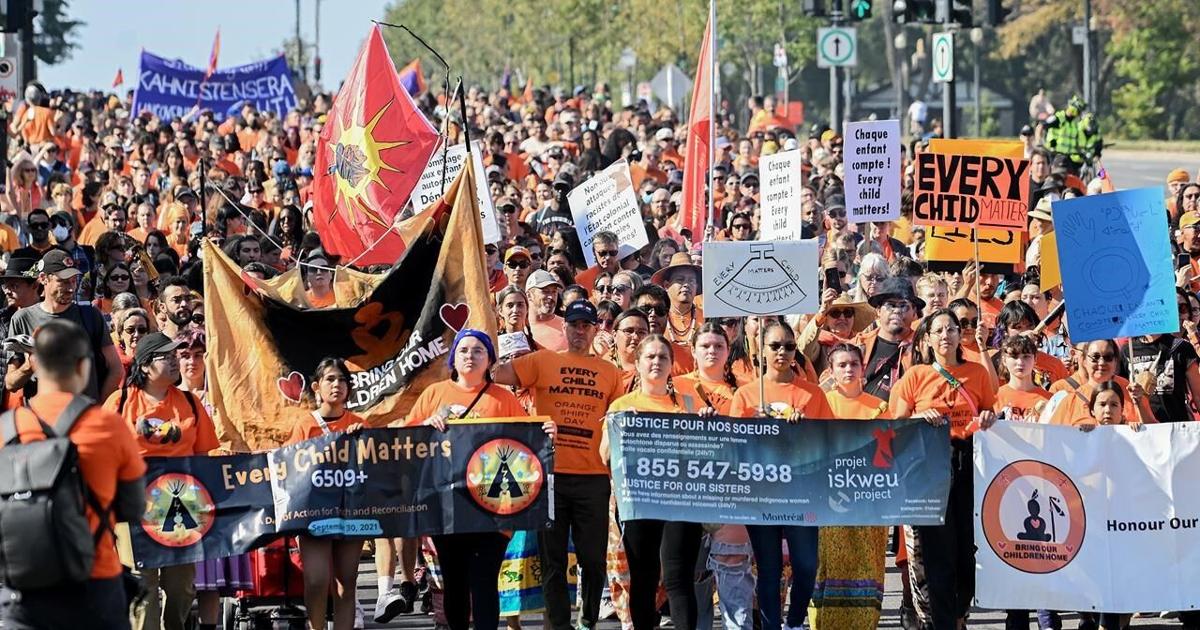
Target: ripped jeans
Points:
x,y
734,585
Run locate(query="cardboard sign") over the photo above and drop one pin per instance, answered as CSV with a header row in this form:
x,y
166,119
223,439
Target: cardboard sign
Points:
x,y
760,278
781,185
946,249
1051,273
872,164
1117,272
606,202
955,190
429,187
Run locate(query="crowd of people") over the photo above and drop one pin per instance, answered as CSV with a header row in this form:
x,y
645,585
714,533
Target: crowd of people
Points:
x,y
105,211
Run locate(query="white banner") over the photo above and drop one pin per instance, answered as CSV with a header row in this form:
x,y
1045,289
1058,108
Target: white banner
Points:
x,y
760,278
1105,521
429,187
780,175
607,202
872,164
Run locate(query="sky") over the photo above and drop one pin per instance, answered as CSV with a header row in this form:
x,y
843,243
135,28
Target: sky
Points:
x,y
116,31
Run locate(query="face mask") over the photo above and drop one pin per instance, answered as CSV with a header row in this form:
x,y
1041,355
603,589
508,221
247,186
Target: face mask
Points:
x,y
61,233
646,198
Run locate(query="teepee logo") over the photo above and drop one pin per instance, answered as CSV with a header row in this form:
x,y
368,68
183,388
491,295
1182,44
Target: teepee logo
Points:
x,y
179,510
504,476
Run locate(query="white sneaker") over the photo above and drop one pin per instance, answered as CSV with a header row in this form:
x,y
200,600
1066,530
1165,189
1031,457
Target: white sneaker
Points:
x,y
360,618
607,609
388,606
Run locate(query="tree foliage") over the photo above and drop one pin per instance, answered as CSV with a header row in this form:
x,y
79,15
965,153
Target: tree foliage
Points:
x,y
55,33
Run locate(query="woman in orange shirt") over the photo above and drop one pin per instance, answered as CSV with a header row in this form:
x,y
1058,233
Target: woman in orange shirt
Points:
x,y
713,381
850,570
939,386
1020,399
331,388
470,563
115,279
1069,398
654,547
316,272
129,326
790,399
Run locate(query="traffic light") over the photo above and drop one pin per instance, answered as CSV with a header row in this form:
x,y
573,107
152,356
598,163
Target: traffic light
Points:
x,y
997,13
860,10
16,14
913,11
955,11
814,8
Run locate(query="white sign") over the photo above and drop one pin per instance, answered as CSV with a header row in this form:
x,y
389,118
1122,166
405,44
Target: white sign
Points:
x,y
9,82
1061,513
837,46
872,163
760,278
429,187
943,57
780,194
780,57
671,85
607,202
1079,35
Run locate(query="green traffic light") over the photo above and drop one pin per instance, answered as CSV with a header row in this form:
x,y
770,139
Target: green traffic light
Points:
x,y
860,9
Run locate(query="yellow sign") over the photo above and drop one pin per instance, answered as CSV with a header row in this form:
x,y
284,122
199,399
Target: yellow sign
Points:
x,y
1051,273
954,245
1012,149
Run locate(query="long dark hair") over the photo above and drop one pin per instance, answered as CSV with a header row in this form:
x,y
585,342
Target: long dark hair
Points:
x,y
103,289
922,350
295,234
331,363
713,328
1012,314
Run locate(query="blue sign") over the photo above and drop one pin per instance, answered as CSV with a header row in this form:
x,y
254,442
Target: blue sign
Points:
x,y
765,471
169,88
1117,272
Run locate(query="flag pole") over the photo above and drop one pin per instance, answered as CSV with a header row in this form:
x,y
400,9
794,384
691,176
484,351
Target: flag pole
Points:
x,y
712,117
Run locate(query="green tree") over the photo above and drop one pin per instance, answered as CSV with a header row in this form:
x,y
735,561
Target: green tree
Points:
x,y
55,33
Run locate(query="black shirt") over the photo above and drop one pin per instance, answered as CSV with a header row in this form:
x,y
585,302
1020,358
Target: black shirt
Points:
x,y
1168,358
882,365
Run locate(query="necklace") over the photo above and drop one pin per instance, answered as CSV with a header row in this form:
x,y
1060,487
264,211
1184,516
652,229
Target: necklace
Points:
x,y
686,331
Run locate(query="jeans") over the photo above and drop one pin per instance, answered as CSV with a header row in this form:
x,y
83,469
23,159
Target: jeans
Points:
x,y
767,541
470,566
670,548
93,605
735,588
580,515
948,551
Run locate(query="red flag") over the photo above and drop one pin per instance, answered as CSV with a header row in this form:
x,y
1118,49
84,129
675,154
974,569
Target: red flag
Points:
x,y
693,215
371,152
119,79
212,56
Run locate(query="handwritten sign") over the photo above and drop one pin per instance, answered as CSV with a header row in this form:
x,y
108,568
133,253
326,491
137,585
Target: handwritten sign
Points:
x,y
947,248
1115,257
606,203
963,190
781,185
873,171
429,187
760,278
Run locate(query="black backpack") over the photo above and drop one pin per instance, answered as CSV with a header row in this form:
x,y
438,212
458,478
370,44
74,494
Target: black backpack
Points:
x,y
45,539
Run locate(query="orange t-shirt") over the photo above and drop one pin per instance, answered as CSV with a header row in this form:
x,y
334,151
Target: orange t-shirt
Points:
x,y
107,455
166,428
684,402
1021,406
864,407
314,301
781,400
1071,408
715,394
92,231
549,334
306,428
990,310
922,387
575,391
496,402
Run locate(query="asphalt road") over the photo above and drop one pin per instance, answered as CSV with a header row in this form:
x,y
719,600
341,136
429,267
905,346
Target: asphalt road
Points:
x,y
1136,169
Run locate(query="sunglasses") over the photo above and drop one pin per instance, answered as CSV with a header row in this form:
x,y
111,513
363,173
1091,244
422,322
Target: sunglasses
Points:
x,y
728,322
836,214
1102,358
969,322
656,309
741,226
775,346
120,277
39,226
140,330
606,253
508,210
490,249
840,313
517,264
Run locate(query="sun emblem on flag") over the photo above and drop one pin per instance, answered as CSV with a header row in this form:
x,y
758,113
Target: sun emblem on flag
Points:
x,y
357,164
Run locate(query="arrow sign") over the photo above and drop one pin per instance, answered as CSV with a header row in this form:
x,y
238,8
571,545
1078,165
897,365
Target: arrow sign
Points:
x,y
861,9
837,46
943,57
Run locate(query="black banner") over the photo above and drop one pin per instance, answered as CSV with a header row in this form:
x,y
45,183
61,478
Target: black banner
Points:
x,y
475,477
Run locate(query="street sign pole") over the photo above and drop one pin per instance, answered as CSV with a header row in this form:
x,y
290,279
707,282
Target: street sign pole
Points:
x,y
942,62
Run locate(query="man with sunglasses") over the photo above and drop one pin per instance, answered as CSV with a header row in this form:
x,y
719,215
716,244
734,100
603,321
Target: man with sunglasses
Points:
x,y
654,301
741,228
517,265
885,347
605,246
542,291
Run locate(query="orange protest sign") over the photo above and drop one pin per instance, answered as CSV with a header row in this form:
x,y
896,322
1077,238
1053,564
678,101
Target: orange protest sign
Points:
x,y
959,190
954,245
977,146
1051,273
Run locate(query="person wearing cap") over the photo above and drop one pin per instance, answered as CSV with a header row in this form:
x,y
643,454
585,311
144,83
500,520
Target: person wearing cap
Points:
x,y
542,289
165,422
1188,276
59,277
470,563
20,287
518,264
665,139
885,346
575,389
1176,180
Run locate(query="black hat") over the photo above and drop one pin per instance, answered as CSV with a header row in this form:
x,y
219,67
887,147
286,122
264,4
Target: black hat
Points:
x,y
20,269
896,289
747,176
57,262
564,181
581,311
152,345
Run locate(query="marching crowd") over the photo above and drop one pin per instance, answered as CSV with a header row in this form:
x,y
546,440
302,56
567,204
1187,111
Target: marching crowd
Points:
x,y
105,211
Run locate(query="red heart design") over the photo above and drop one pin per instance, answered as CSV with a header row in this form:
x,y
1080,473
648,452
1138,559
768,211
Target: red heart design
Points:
x,y
292,386
1001,544
455,316
1070,548
1035,522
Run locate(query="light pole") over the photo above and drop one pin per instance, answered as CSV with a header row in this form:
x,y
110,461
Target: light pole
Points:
x,y
977,43
900,42
627,62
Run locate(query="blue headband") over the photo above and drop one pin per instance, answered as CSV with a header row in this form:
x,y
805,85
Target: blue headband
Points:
x,y
477,334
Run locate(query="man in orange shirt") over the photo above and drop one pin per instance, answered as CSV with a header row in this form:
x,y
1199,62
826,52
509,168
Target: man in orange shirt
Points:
x,y
112,469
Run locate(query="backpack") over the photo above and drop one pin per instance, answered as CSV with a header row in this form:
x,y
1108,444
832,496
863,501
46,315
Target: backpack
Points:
x,y
45,539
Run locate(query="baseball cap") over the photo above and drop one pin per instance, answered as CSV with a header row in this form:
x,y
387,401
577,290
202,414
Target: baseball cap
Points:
x,y
1189,219
664,134
1178,175
541,279
581,311
152,345
515,251
58,263
110,199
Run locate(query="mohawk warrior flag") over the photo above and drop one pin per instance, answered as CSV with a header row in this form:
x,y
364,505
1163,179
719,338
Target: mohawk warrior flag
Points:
x,y
371,152
394,331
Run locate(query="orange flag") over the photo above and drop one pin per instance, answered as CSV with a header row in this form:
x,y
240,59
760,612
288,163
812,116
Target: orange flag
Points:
x,y
212,56
119,79
694,213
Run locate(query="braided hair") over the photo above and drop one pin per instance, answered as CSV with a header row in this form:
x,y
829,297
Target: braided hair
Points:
x,y
713,328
